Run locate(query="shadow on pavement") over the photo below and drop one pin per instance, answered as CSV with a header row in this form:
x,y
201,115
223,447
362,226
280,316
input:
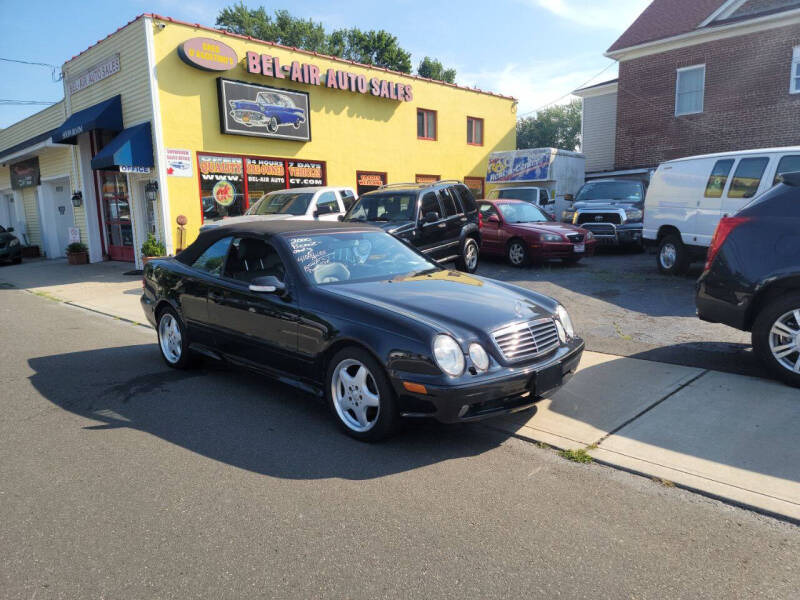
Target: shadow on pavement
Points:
x,y
238,418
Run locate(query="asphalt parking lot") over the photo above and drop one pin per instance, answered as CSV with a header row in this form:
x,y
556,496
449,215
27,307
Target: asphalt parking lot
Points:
x,y
622,305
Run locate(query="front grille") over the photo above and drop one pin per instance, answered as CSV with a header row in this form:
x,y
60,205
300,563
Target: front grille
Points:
x,y
575,237
610,217
527,340
601,229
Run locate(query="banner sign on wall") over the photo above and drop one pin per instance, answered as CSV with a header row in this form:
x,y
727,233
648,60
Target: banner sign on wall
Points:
x,y
520,165
257,110
179,162
25,174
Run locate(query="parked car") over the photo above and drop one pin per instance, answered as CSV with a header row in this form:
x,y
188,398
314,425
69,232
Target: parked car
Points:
x,y
688,196
611,209
537,196
440,219
351,313
523,233
751,279
10,248
324,203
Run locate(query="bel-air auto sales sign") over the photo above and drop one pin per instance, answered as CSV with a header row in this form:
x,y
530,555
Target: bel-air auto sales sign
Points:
x,y
94,74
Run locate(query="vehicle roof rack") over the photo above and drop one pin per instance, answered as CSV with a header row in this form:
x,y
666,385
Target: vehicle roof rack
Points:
x,y
792,179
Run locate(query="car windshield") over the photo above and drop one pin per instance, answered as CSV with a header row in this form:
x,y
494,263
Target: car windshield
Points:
x,y
526,194
284,203
610,190
519,212
397,206
328,258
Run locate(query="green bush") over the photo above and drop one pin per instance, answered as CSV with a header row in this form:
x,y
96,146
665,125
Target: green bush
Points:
x,y
152,247
75,247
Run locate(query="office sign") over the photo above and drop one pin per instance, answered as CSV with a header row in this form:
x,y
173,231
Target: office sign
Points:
x,y
25,174
257,110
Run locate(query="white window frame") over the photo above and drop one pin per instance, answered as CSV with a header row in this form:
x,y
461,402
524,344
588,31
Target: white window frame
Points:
x,y
794,76
703,96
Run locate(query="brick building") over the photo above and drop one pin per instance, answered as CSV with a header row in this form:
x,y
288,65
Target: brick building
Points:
x,y
697,76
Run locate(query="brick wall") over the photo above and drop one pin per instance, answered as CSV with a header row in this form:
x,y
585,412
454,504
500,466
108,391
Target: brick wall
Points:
x,y
747,100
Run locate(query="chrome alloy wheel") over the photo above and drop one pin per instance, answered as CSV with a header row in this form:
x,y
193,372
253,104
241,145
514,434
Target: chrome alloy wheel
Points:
x,y
668,255
516,253
471,256
784,340
355,395
169,337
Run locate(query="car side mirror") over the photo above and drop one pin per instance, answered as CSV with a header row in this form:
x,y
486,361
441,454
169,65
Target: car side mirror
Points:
x,y
325,209
569,197
430,217
340,217
269,284
493,219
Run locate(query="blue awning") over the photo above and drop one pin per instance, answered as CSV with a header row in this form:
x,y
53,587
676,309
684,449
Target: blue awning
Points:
x,y
104,115
133,147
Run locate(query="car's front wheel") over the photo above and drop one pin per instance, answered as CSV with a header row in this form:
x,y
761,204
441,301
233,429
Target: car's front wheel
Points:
x,y
272,125
468,261
360,396
517,254
673,257
776,337
172,339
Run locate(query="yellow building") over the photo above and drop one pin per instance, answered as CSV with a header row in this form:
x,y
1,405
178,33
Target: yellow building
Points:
x,y
164,121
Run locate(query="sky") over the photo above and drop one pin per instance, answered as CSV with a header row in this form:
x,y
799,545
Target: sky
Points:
x,y
535,50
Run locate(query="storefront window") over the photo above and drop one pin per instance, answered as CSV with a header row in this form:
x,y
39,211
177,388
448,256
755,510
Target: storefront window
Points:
x,y
264,175
221,186
117,215
304,173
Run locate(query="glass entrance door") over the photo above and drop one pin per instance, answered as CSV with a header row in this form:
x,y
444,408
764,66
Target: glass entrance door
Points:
x,y
117,215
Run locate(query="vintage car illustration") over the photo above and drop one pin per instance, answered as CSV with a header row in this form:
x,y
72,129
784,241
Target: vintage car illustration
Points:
x,y
269,109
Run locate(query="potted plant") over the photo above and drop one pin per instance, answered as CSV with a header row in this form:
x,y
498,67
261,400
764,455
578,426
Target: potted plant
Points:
x,y
77,253
151,249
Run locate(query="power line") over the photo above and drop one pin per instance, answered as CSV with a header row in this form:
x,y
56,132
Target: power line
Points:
x,y
55,71
543,106
7,102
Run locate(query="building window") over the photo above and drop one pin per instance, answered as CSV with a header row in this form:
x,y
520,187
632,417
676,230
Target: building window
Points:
x,y
795,84
474,131
689,90
475,184
426,124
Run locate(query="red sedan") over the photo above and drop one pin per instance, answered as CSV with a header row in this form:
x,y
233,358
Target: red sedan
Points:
x,y
522,233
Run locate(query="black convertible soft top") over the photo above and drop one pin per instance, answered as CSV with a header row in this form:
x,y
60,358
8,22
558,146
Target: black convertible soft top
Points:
x,y
265,228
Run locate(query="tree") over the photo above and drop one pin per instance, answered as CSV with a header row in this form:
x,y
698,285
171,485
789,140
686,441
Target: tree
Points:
x,y
554,127
378,48
432,68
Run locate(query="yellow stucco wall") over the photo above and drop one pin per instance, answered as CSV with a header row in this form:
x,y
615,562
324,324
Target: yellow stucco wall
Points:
x,y
350,131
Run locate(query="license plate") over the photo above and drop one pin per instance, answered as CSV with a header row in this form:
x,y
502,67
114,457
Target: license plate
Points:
x,y
546,380
580,247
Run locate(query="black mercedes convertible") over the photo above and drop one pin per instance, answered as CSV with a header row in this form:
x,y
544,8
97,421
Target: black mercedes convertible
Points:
x,y
348,312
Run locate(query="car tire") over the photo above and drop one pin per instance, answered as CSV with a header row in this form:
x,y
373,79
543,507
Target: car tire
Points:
x,y
353,382
517,254
272,125
773,343
173,343
672,256
468,260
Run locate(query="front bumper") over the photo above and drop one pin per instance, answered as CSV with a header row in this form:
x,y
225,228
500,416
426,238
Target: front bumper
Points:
x,y
10,252
512,390
615,235
545,250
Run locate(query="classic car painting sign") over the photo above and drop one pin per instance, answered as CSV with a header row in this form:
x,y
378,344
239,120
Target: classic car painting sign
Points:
x,y
519,165
257,110
25,174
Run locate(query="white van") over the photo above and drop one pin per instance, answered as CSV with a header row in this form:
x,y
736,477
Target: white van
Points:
x,y
688,196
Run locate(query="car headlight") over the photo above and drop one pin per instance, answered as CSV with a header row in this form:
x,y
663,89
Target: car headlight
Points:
x,y
448,355
589,235
479,357
13,243
563,317
567,216
633,214
551,237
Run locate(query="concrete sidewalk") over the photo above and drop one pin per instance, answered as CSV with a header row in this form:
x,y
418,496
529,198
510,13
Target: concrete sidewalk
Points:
x,y
728,436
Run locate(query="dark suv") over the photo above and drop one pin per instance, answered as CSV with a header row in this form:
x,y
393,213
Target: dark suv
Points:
x,y
612,209
751,280
440,219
